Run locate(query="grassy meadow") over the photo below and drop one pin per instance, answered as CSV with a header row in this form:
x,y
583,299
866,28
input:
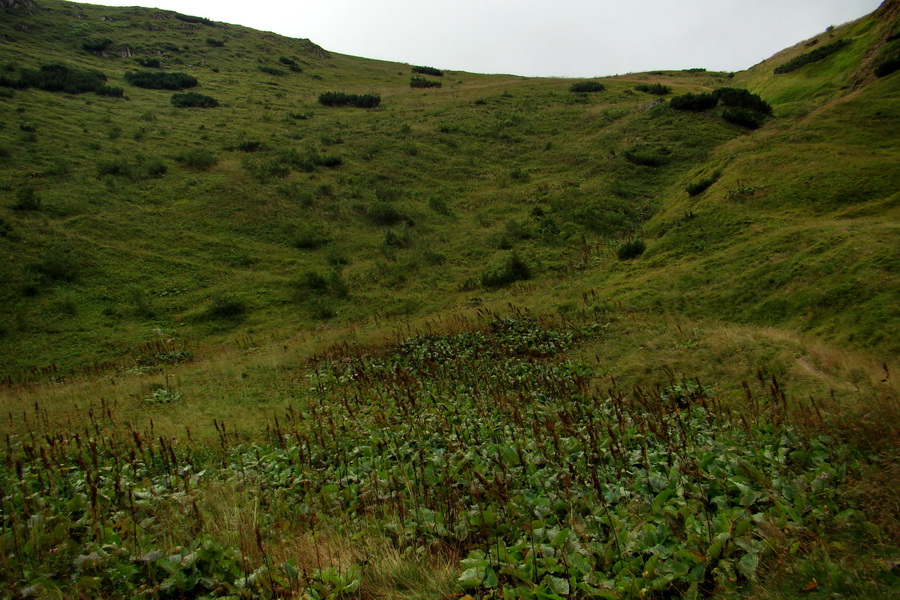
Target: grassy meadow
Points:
x,y
493,337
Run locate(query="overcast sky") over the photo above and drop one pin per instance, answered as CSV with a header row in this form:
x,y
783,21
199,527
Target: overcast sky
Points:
x,y
571,38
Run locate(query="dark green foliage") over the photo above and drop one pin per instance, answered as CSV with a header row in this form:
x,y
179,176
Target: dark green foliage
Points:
x,y
428,71
631,249
694,70
312,284
113,92
215,43
654,88
514,269
160,80
888,66
816,55
250,146
382,213
745,117
309,239
421,82
147,62
27,199
59,264
190,19
141,168
96,46
701,186
647,157
291,64
400,240
357,100
193,99
741,98
58,78
582,87
228,308
695,102
197,159
271,71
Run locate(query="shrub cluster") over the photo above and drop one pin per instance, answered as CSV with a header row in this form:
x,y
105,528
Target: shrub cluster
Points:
x,y
197,159
57,78
631,249
586,86
887,66
141,168
160,80
421,82
741,98
701,186
271,71
190,19
647,157
382,213
96,46
816,55
148,63
654,88
215,43
745,117
514,269
290,63
694,102
357,100
193,99
428,71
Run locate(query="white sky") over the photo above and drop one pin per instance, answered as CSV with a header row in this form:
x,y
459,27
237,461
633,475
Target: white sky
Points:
x,y
572,38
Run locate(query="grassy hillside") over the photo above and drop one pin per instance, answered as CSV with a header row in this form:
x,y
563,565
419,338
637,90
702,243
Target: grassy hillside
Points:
x,y
496,338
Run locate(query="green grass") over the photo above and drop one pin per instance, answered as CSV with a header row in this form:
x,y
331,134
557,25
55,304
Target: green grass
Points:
x,y
197,267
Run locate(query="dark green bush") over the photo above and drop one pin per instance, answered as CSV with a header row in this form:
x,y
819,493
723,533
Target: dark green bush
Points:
x,y
421,82
147,62
271,71
744,117
655,88
290,63
309,239
514,269
631,249
228,308
342,99
97,45
215,43
647,157
250,146
741,98
61,78
695,102
816,55
887,66
193,99
428,71
27,199
198,20
197,159
160,80
582,87
113,92
59,264
381,213
701,186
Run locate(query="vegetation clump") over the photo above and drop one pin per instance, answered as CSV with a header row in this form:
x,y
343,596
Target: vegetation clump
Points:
x,y
657,89
694,102
512,270
275,72
888,66
160,80
96,46
741,98
820,53
428,71
192,19
698,187
744,117
57,78
147,62
290,63
343,99
582,87
422,82
631,249
193,100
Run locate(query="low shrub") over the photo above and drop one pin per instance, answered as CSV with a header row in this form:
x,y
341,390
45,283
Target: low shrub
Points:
x,y
647,157
428,71
342,99
148,63
290,63
381,213
59,263
27,199
514,269
112,92
250,146
215,43
694,102
820,53
197,159
887,66
96,46
197,20
697,188
309,239
631,249
59,78
582,87
271,71
228,308
741,98
421,82
654,88
744,117
193,99
160,80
